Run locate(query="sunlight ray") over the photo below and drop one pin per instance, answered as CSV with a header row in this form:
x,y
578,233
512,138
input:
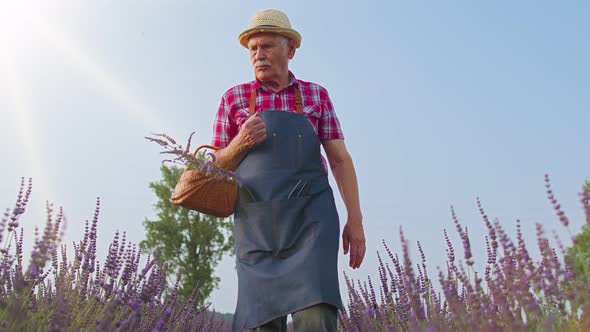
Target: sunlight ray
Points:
x,y
25,125
107,81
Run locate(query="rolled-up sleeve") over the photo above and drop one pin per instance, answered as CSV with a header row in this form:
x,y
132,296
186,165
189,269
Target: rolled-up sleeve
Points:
x,y
221,125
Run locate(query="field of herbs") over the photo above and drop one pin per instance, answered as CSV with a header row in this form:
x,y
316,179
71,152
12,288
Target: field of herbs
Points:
x,y
515,291
60,293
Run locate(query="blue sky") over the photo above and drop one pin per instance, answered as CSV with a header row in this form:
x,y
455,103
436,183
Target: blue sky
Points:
x,y
440,102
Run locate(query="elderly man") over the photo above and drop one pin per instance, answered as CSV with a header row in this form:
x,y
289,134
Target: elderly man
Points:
x,y
286,225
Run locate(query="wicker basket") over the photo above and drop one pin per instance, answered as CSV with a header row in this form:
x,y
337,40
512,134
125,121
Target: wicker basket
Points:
x,y
203,193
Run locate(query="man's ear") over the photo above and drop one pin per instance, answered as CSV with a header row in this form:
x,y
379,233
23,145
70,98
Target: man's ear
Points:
x,y
292,49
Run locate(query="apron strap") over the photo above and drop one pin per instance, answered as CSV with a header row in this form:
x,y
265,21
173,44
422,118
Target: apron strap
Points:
x,y
298,101
252,101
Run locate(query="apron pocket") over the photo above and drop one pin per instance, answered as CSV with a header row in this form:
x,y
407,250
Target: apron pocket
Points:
x,y
255,235
276,228
294,224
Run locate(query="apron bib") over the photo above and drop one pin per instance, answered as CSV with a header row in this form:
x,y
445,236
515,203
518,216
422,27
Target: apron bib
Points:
x,y
286,227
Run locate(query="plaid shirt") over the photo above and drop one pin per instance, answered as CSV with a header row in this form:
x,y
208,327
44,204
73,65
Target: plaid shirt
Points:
x,y
234,108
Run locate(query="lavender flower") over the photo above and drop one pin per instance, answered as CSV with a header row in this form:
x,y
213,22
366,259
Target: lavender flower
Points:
x,y
560,214
515,292
54,293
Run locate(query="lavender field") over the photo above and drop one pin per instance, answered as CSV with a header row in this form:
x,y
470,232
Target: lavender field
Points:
x,y
49,291
60,293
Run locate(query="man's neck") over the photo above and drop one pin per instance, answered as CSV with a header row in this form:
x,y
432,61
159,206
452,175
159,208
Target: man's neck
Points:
x,y
279,84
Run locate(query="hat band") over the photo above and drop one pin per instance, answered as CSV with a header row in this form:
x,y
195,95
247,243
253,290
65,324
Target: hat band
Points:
x,y
266,25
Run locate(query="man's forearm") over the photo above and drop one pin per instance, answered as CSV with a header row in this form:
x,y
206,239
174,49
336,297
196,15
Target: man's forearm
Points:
x,y
230,157
346,180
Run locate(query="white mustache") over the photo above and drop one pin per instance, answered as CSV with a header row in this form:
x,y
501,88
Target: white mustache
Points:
x,y
261,63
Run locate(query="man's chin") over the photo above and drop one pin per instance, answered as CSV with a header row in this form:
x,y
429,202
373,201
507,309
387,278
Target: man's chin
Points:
x,y
262,77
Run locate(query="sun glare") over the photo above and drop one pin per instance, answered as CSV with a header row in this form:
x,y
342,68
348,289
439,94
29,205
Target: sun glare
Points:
x,y
33,26
19,20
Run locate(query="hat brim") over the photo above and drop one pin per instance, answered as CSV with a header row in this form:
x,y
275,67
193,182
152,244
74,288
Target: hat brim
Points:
x,y
289,33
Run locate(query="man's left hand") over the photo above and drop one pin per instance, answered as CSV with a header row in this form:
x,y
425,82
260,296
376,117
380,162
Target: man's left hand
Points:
x,y
353,239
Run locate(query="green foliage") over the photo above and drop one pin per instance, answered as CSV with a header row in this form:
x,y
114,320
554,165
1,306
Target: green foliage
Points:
x,y
578,255
189,243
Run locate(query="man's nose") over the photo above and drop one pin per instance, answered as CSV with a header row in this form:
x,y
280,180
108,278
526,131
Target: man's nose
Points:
x,y
259,54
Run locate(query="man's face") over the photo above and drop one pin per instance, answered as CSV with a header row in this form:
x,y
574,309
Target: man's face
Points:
x,y
270,54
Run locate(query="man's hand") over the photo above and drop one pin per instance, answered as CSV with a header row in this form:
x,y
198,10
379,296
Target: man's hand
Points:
x,y
252,132
353,239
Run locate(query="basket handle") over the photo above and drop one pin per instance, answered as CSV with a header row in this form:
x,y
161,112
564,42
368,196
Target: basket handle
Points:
x,y
205,146
212,155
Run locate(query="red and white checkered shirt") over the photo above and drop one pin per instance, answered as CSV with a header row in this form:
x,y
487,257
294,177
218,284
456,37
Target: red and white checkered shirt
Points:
x,y
234,109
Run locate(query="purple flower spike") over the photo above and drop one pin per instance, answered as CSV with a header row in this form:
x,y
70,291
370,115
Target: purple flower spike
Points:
x,y
556,206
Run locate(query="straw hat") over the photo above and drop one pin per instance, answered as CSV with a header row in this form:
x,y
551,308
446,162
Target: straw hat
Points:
x,y
270,20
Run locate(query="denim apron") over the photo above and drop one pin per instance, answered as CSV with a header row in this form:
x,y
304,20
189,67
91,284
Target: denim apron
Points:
x,y
286,226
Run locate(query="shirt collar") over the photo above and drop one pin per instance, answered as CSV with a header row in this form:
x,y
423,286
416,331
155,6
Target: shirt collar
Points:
x,y
292,81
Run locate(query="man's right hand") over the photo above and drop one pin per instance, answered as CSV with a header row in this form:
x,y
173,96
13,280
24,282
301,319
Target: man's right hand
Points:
x,y
253,131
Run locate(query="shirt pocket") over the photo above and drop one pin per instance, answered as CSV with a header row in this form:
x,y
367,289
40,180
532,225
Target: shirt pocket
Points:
x,y
312,111
313,114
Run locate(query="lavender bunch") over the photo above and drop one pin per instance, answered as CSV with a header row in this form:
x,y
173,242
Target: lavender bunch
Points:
x,y
184,157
